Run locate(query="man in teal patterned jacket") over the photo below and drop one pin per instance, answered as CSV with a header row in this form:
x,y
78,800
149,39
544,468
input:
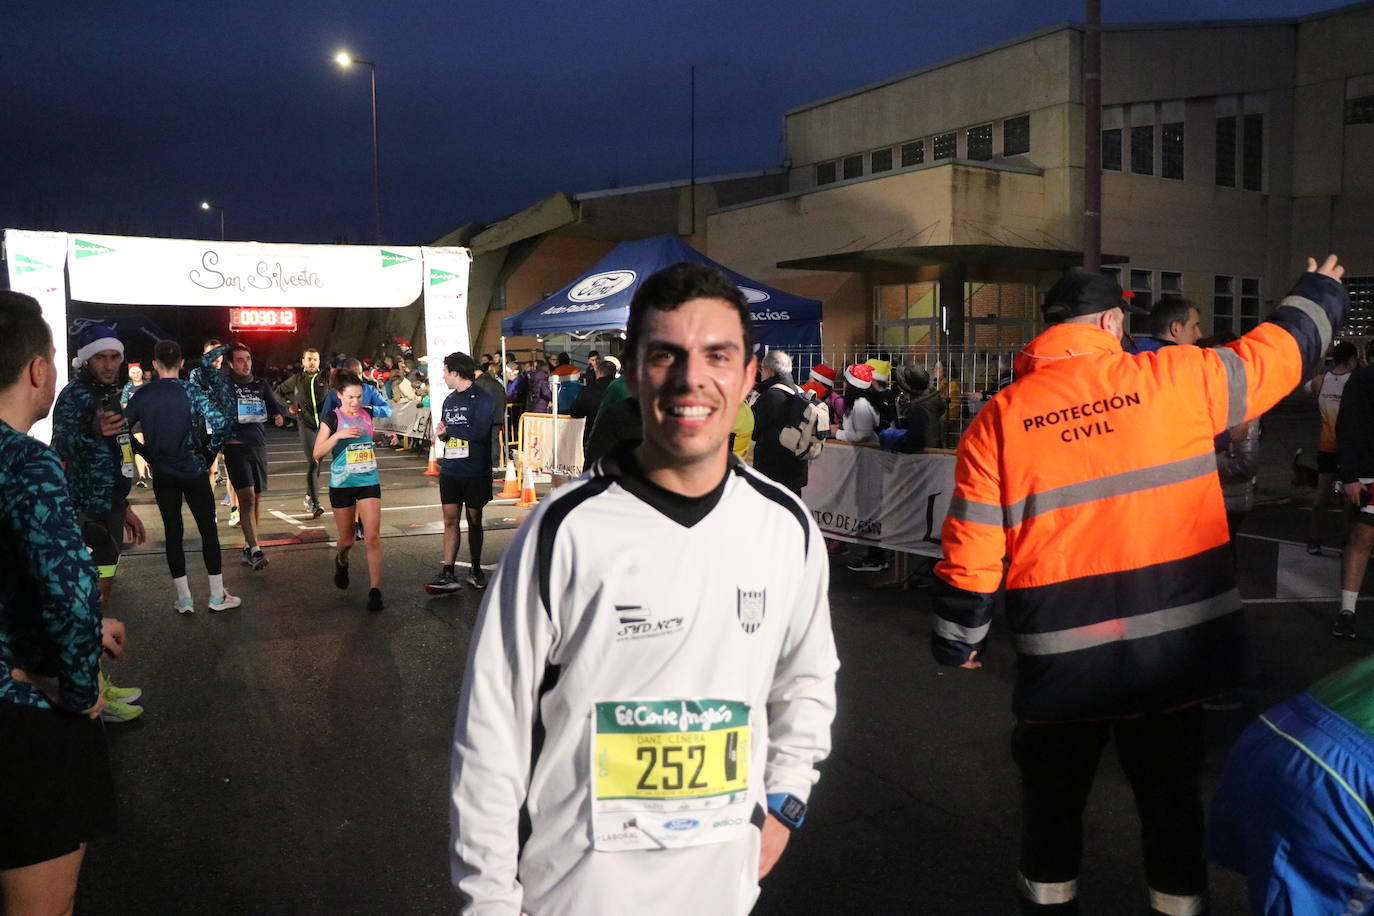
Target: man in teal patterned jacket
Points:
x,y
56,793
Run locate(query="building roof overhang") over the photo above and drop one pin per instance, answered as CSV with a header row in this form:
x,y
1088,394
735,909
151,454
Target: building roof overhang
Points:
x,y
933,255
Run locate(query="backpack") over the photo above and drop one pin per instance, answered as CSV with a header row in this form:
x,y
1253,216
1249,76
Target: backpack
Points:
x,y
806,425
568,391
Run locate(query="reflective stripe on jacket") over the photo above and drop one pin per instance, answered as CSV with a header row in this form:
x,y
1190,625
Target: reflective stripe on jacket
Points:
x,y
1094,477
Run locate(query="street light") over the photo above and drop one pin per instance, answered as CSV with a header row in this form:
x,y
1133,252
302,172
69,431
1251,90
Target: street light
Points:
x,y
346,60
206,205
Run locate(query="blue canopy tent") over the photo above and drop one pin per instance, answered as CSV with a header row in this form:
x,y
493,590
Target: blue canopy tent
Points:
x,y
599,300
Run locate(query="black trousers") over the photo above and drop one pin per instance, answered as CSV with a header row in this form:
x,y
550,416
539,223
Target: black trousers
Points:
x,y
200,498
1162,757
312,467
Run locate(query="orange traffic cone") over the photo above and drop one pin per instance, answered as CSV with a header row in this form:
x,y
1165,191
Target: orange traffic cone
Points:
x,y
512,488
527,491
432,469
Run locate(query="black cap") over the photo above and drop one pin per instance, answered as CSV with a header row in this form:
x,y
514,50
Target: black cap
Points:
x,y
1082,292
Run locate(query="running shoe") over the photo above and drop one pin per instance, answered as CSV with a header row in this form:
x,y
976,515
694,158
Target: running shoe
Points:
x,y
113,694
257,559
317,511
374,599
228,500
141,484
867,566
1344,627
224,602
446,584
233,518
120,712
477,577
340,572
184,606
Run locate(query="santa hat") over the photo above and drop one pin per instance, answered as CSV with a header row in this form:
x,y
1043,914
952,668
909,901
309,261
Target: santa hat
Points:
x,y
138,366
860,375
815,389
882,369
95,338
823,374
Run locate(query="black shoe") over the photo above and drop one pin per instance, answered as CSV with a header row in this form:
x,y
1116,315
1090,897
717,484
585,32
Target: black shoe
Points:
x,y
340,573
477,577
374,599
1344,627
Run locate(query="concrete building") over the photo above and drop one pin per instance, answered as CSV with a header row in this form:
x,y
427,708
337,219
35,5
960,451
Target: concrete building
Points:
x,y
935,207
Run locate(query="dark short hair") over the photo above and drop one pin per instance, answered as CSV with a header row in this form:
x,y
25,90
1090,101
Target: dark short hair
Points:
x,y
1344,352
683,282
564,358
23,334
1167,311
461,364
310,350
591,353
211,343
343,378
605,369
351,361
167,353
236,347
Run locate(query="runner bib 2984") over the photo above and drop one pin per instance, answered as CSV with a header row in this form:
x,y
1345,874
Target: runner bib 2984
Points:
x,y
669,773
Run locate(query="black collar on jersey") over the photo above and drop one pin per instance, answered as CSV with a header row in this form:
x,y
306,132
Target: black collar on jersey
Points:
x,y
685,510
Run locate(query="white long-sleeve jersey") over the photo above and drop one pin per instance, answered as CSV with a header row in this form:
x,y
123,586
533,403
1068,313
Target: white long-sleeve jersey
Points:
x,y
645,669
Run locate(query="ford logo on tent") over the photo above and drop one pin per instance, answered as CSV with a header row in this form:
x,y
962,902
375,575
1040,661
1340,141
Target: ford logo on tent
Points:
x,y
754,296
682,823
599,286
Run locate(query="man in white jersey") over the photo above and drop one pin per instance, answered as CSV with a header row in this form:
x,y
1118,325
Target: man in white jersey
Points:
x,y
642,712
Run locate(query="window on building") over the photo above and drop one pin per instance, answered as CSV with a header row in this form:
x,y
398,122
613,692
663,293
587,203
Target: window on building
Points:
x,y
944,145
1223,304
853,166
1016,136
825,173
1142,296
913,153
1170,283
1171,150
1111,149
1249,303
880,160
1252,153
1361,322
1360,111
1143,150
1226,151
980,142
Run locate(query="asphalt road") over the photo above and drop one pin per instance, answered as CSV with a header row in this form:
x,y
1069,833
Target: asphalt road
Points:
x,y
293,758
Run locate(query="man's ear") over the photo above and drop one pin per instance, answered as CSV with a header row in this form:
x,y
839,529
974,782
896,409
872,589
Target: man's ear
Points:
x,y
38,370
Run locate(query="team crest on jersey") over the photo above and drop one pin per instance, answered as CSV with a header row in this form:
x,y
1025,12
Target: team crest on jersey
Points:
x,y
750,607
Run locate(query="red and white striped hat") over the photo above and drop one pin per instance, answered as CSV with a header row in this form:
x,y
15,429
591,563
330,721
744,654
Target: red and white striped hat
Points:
x,y
823,374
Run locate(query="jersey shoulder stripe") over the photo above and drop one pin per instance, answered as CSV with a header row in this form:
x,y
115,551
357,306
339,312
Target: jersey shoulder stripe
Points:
x,y
553,517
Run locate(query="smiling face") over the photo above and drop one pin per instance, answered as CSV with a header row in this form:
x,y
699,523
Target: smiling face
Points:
x,y
690,374
104,366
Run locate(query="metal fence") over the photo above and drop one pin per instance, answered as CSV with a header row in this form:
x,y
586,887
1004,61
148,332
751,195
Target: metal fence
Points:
x,y
966,376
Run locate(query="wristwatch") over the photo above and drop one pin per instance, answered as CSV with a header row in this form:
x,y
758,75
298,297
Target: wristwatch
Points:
x,y
787,808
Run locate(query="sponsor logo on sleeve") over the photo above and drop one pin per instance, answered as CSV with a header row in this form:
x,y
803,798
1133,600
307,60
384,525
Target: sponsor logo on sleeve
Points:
x,y
635,621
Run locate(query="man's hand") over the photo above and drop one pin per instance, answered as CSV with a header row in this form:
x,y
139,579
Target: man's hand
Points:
x,y
293,410
108,423
1353,491
53,692
133,526
973,663
771,844
277,419
440,430
112,638
1329,267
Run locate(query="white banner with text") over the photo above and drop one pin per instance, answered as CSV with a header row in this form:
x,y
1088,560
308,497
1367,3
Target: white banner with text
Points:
x,y
446,312
538,432
36,260
868,496
149,271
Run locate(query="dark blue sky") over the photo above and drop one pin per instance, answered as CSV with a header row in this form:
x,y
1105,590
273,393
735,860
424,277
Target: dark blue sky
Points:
x,y
122,117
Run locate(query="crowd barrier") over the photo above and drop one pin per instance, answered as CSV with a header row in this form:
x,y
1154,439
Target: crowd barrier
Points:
x,y
407,418
541,453
886,499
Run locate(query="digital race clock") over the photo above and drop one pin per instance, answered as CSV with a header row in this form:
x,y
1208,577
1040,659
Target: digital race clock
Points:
x,y
262,319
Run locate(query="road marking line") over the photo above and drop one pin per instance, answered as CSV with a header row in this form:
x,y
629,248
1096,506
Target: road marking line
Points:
x,y
1315,599
286,518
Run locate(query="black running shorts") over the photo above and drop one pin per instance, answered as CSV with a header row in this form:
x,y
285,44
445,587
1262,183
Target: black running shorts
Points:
x,y
473,492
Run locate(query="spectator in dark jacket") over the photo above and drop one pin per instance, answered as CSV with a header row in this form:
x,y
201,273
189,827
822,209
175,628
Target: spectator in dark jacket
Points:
x,y
771,413
538,393
588,401
913,430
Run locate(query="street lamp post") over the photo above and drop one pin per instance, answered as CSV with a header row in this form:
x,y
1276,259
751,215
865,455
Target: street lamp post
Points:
x,y
344,59
206,205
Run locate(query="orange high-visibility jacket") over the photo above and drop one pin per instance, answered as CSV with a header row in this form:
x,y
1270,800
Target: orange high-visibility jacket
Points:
x,y
1094,477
